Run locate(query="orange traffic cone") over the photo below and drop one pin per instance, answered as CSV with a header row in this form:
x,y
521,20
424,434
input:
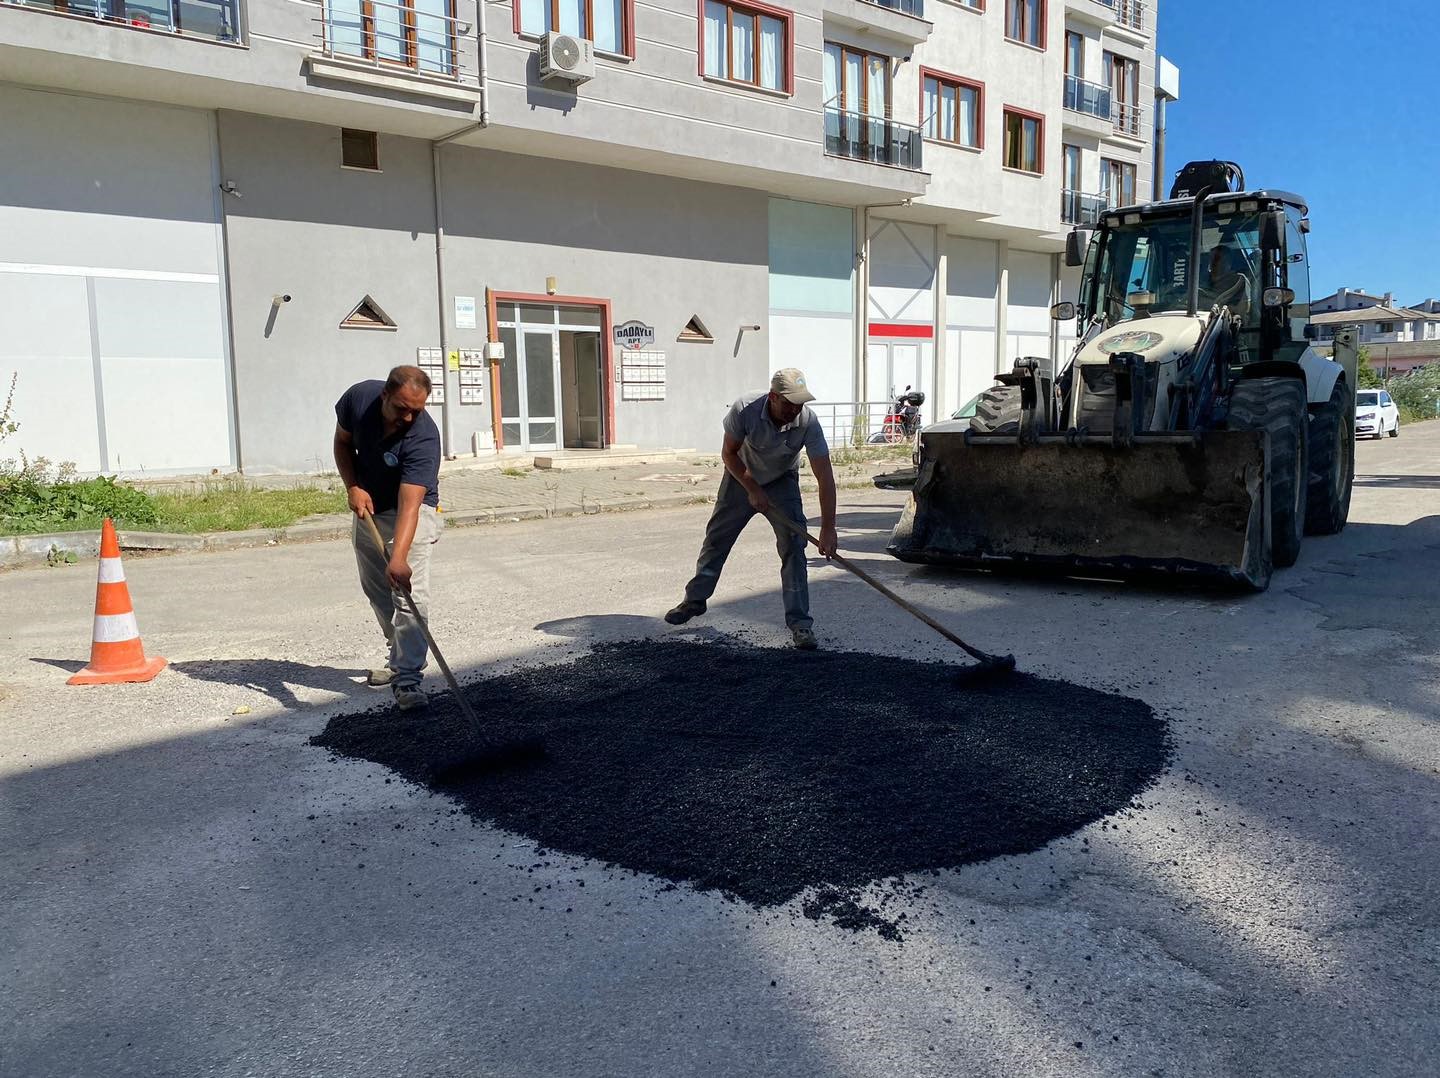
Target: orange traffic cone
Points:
x,y
115,653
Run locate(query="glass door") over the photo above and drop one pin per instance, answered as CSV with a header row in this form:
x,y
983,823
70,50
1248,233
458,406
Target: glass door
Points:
x,y
529,377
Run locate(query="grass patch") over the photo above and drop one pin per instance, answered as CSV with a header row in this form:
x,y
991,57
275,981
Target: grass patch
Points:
x,y
83,505
515,473
227,507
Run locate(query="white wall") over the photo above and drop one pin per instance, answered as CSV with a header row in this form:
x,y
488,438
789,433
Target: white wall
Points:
x,y
1027,318
972,271
111,293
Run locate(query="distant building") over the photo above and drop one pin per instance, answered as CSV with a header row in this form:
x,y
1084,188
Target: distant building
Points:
x,y
1380,320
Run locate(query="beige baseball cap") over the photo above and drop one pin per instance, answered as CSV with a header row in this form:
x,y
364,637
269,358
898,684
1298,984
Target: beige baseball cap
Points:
x,y
790,384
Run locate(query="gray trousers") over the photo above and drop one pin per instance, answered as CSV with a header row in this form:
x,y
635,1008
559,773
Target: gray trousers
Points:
x,y
732,513
408,649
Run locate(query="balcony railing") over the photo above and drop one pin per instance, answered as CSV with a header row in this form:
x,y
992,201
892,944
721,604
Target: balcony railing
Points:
x,y
1087,97
214,20
863,137
1128,119
418,36
1078,208
905,7
1129,13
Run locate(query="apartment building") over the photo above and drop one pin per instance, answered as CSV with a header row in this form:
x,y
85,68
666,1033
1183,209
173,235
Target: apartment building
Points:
x,y
1380,319
595,221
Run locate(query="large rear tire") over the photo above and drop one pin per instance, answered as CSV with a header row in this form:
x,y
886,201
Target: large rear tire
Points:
x,y
1277,405
1332,462
998,411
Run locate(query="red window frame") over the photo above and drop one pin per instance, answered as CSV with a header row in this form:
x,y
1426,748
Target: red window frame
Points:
x,y
1042,41
750,7
627,32
958,81
1039,118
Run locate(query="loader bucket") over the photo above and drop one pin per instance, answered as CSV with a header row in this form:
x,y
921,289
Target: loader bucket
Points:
x,y
1168,505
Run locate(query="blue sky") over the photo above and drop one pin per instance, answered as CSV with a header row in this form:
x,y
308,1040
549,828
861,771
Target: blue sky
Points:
x,y
1345,112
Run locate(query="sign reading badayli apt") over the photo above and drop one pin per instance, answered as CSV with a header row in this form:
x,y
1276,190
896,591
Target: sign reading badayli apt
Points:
x,y
634,334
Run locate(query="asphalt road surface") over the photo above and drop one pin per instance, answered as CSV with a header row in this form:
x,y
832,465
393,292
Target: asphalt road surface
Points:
x,y
190,891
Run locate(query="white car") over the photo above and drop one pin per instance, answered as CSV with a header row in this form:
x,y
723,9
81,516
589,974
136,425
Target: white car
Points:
x,y
1376,414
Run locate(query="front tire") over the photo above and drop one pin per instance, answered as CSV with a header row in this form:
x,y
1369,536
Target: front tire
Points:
x,y
1276,405
997,411
1395,430
1332,463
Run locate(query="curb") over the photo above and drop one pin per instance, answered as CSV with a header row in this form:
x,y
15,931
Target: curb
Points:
x,y
18,551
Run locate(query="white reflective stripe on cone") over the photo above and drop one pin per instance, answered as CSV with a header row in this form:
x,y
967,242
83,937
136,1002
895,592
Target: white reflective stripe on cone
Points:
x,y
111,571
113,628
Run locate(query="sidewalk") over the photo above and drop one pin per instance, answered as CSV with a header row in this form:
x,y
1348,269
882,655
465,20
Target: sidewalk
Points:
x,y
477,495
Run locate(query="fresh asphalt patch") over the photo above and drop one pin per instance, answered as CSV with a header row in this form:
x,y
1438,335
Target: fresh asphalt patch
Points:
x,y
768,774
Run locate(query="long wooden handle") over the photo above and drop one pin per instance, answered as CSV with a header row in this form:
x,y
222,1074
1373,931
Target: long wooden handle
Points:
x,y
424,628
795,529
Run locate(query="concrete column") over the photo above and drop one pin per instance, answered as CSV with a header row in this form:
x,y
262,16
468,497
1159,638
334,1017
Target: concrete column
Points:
x,y
1002,305
862,297
938,379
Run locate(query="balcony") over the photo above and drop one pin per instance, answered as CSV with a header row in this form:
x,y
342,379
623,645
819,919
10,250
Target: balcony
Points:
x,y
1078,208
415,36
1090,98
1129,120
210,20
900,23
1129,14
880,141
905,7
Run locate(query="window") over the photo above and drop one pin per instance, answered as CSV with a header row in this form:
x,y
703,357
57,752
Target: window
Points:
x,y
1123,77
856,81
1025,22
606,23
1074,54
418,34
952,109
1072,168
1386,327
1117,182
1024,141
746,43
359,149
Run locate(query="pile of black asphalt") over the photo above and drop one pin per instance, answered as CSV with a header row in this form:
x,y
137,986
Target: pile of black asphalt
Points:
x,y
768,773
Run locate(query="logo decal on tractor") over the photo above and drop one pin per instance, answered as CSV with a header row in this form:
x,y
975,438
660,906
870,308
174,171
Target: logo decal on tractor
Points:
x,y
1135,341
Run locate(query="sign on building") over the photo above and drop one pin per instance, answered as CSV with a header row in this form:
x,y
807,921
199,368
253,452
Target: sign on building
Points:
x,y
633,334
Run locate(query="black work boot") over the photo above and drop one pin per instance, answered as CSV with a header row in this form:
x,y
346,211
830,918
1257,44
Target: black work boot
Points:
x,y
804,638
690,608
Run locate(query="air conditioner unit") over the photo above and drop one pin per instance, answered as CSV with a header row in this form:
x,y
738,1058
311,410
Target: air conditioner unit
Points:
x,y
566,57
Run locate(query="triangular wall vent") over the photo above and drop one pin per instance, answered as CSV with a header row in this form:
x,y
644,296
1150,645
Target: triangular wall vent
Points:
x,y
695,332
367,315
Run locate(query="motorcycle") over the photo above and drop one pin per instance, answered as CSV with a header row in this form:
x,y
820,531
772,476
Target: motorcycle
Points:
x,y
902,419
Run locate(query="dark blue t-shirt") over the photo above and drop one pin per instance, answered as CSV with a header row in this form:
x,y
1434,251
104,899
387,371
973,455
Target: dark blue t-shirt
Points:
x,y
410,455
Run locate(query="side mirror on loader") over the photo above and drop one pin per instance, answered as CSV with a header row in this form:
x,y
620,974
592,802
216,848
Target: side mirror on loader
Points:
x,y
1077,242
1272,230
1062,312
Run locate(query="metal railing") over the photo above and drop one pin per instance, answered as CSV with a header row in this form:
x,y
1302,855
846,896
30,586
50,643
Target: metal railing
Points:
x,y
1128,119
905,7
857,423
1088,97
1129,13
392,35
863,137
211,20
1079,208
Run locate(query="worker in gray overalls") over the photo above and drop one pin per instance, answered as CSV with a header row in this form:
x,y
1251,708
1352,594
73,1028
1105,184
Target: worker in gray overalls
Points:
x,y
765,434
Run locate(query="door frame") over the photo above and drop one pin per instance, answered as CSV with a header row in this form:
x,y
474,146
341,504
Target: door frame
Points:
x,y
494,298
